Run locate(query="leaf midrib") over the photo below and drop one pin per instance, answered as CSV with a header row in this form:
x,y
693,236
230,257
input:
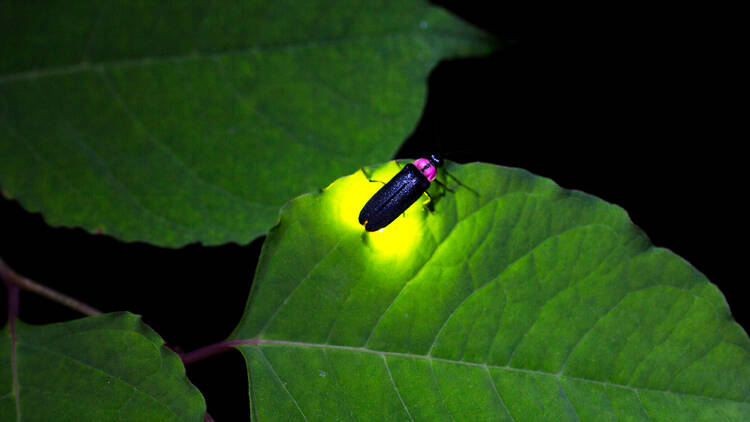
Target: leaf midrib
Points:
x,y
199,55
284,343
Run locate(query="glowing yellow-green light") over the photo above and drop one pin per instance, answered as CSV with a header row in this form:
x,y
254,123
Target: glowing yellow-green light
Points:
x,y
352,193
401,236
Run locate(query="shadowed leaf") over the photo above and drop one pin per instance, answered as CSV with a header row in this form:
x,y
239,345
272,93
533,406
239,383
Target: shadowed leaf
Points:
x,y
105,368
194,122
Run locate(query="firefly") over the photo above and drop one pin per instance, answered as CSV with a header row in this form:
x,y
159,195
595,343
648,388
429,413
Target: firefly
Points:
x,y
399,193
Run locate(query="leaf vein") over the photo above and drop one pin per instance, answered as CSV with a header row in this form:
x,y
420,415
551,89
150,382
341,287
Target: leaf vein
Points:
x,y
645,411
126,192
567,400
341,387
439,391
604,315
281,383
93,368
393,382
273,316
432,256
567,288
260,111
168,151
497,393
666,339
285,343
193,55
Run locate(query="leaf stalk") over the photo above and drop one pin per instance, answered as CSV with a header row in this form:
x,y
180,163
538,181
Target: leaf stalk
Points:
x,y
11,278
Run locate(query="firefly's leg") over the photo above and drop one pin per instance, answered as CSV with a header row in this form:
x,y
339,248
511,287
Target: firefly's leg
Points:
x,y
428,203
460,183
443,186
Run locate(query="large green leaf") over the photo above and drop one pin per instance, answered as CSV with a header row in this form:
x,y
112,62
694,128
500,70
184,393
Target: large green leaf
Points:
x,y
514,300
194,121
105,368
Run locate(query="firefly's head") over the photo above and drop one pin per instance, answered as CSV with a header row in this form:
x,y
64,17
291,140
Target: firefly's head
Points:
x,y
428,166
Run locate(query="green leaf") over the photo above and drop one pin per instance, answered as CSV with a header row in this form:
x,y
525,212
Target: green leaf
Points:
x,y
514,300
105,368
194,121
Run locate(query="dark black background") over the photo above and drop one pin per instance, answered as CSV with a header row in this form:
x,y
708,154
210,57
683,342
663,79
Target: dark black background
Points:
x,y
634,106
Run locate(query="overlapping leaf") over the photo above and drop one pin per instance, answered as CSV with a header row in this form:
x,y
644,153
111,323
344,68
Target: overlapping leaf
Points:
x,y
194,122
513,300
106,368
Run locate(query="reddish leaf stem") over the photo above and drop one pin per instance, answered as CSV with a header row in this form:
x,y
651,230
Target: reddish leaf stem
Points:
x,y
12,314
10,277
213,350
222,347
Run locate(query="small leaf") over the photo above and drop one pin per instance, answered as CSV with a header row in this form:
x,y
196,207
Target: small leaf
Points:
x,y
104,368
513,300
194,122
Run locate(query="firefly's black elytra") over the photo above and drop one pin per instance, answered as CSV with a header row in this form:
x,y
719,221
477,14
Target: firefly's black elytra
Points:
x,y
399,193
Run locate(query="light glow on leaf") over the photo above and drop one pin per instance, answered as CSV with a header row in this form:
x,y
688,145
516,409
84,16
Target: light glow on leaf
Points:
x,y
518,301
350,194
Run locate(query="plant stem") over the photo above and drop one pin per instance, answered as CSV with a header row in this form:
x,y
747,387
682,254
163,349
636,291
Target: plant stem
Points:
x,y
12,298
12,315
225,346
11,277
212,350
